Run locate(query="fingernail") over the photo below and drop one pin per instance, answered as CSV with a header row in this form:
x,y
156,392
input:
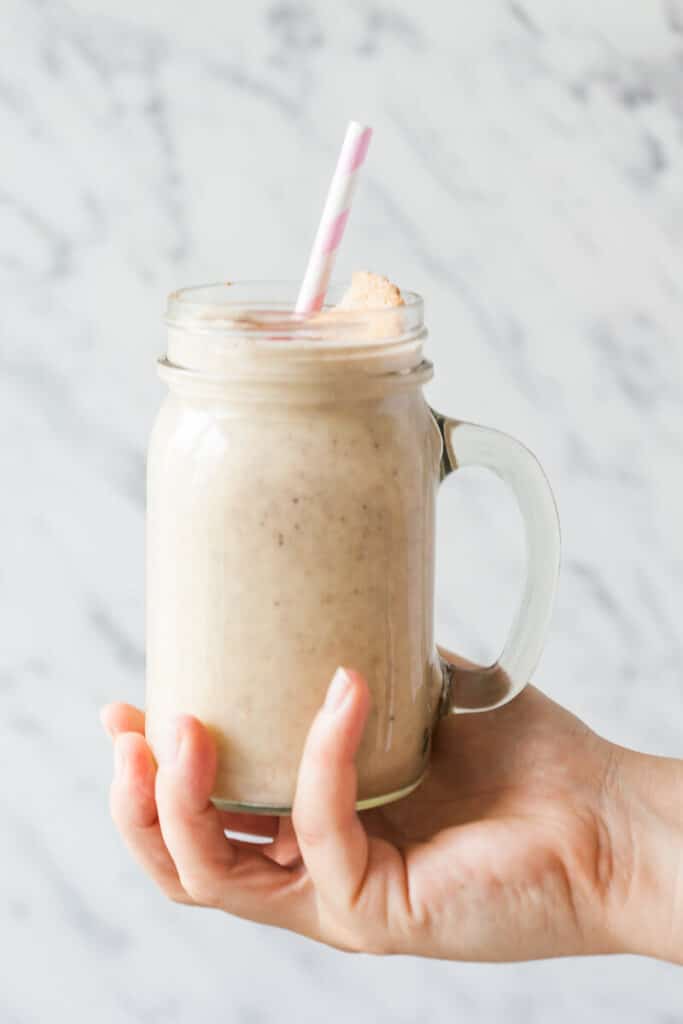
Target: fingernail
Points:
x,y
119,762
337,691
168,742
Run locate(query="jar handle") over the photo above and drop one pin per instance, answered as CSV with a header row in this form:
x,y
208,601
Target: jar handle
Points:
x,y
482,689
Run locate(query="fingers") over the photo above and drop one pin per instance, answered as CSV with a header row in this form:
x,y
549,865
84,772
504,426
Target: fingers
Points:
x,y
192,843
133,809
118,718
332,841
212,870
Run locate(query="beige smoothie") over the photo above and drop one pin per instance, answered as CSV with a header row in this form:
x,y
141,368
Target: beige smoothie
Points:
x,y
292,476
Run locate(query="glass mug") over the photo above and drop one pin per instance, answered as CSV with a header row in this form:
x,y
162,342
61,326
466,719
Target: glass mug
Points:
x,y
292,478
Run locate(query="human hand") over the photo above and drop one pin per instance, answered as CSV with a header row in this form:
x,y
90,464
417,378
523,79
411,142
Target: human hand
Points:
x,y
530,837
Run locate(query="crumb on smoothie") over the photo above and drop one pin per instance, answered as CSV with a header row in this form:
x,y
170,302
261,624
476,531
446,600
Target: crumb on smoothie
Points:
x,y
370,291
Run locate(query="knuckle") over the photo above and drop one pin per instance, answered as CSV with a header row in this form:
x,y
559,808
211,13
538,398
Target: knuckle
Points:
x,y
200,889
179,896
309,833
353,936
379,946
372,941
116,807
130,813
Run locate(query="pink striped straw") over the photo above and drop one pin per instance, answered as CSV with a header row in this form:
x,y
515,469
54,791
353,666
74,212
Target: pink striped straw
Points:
x,y
334,218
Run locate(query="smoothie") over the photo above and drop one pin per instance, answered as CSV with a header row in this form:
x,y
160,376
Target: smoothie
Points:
x,y
292,477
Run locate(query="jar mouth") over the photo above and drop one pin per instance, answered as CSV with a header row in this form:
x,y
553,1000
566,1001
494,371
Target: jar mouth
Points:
x,y
262,313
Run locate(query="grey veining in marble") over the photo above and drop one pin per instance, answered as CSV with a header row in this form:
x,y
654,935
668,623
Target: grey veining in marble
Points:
x,y
525,176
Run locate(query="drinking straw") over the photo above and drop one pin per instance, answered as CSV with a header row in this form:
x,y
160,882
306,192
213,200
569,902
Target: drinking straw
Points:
x,y
333,221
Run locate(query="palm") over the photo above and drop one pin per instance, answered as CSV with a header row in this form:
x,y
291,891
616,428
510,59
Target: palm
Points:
x,y
529,760
509,814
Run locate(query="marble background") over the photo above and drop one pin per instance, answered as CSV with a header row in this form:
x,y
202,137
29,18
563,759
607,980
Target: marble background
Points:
x,y
526,177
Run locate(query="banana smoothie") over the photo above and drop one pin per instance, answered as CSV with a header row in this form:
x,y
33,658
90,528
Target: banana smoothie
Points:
x,y
292,477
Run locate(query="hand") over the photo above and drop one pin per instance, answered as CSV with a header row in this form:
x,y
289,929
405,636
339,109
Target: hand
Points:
x,y
522,842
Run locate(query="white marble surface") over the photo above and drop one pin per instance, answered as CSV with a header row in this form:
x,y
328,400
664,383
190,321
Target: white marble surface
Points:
x,y
526,177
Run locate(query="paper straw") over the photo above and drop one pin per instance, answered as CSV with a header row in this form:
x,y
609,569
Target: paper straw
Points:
x,y
334,218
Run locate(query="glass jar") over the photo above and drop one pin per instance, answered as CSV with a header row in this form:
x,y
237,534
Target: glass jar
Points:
x,y
292,478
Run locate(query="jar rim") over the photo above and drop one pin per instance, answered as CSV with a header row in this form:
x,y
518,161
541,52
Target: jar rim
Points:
x,y
264,312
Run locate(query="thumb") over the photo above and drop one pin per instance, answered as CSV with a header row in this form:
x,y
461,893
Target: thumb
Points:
x,y
332,840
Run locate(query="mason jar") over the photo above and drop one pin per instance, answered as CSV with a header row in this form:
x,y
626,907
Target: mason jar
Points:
x,y
292,478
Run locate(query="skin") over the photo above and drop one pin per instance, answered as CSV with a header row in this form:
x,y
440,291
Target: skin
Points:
x,y
531,837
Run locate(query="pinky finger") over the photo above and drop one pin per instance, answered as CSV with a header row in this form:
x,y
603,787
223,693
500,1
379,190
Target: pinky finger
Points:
x,y
118,718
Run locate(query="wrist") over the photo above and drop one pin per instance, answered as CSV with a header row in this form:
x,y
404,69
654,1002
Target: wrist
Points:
x,y
645,822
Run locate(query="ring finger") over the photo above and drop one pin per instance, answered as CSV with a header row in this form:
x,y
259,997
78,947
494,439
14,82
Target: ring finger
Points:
x,y
133,808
